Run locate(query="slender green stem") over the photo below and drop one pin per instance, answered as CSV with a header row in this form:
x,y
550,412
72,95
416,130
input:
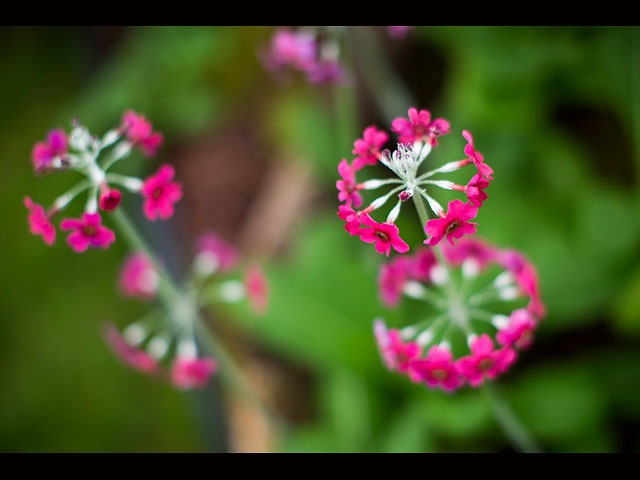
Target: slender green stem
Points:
x,y
64,199
234,376
510,423
388,90
421,208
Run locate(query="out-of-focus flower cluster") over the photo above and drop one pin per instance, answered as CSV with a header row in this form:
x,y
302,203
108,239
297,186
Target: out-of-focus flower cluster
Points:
x,y
163,342
314,51
93,158
417,136
485,306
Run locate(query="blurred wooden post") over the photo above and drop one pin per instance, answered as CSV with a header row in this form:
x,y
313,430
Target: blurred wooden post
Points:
x,y
281,202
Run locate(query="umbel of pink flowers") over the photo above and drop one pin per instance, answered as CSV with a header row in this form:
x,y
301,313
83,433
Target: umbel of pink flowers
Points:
x,y
163,343
470,336
417,136
314,51
93,158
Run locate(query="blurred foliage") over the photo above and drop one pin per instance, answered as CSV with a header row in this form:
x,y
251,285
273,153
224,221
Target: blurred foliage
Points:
x,y
551,109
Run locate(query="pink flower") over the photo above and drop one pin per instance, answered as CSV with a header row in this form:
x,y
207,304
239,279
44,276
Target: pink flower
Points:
x,y
526,277
110,199
396,354
398,32
421,266
226,254
257,289
467,248
326,71
437,369
454,225
139,131
391,280
385,235
484,361
478,160
188,373
367,149
131,356
419,127
138,277
475,189
348,190
520,330
40,222
298,50
350,216
44,152
161,193
87,232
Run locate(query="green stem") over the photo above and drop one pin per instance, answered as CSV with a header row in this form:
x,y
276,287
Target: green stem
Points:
x,y
392,96
510,423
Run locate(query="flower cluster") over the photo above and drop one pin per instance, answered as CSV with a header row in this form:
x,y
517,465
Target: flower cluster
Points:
x,y
398,32
417,136
312,51
476,329
82,152
167,337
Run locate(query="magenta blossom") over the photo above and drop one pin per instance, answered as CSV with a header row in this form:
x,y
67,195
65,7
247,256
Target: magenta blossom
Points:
x,y
470,248
347,187
87,232
140,132
131,356
454,225
422,264
298,50
367,149
161,193
225,254
397,355
40,222
385,235
484,361
351,217
44,152
475,189
419,127
110,199
391,280
476,157
526,277
138,277
188,373
394,275
398,32
326,71
436,369
257,289
520,330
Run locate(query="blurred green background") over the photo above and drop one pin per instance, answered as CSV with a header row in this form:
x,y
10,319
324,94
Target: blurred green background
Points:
x,y
554,110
